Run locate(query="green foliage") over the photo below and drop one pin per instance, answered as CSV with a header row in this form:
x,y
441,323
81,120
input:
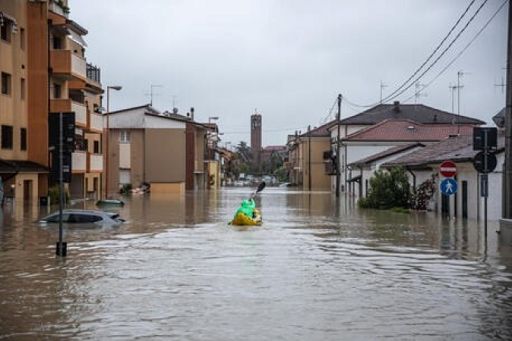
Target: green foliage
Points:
x,y
423,194
54,192
388,189
281,174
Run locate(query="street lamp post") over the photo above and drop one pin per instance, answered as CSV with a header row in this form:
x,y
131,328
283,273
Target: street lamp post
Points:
x,y
117,88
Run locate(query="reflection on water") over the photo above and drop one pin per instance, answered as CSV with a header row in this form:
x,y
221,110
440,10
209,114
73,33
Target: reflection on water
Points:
x,y
315,270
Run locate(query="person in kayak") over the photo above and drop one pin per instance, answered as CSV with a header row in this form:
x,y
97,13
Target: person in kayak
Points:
x,y
247,208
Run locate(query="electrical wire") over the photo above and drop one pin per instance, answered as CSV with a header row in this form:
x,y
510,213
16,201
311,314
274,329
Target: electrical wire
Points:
x,y
385,99
461,52
394,94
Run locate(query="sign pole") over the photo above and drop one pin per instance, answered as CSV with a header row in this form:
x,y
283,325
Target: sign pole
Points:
x,y
61,246
486,152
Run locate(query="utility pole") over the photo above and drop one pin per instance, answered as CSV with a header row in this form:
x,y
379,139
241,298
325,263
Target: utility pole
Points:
x,y
507,174
382,86
338,115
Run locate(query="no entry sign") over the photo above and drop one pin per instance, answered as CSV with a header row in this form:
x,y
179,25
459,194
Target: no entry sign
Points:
x,y
448,169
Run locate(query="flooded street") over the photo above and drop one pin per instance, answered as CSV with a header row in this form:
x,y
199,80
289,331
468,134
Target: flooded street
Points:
x,y
313,271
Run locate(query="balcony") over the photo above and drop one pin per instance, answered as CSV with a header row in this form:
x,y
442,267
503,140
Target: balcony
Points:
x,y
59,8
79,162
67,105
93,75
63,62
95,162
96,122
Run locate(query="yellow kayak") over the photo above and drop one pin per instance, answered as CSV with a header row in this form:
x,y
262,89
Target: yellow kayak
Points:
x,y
241,219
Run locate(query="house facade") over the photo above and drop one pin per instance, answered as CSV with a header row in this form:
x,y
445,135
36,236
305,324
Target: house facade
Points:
x,y
387,126
164,150
468,201
306,159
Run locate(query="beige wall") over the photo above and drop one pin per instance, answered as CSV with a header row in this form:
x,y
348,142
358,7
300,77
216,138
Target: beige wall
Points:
x,y
137,158
164,153
319,179
13,109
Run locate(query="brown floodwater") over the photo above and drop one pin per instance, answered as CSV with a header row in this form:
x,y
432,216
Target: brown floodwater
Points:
x,y
315,270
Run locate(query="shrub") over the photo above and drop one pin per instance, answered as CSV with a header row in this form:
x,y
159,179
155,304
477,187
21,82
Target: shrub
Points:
x,y
423,194
54,193
388,189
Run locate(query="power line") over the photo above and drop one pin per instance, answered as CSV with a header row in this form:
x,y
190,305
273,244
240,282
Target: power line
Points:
x,y
394,94
435,50
463,50
442,53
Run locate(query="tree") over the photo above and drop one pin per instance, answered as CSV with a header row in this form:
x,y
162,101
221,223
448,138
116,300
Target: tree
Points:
x,y
388,189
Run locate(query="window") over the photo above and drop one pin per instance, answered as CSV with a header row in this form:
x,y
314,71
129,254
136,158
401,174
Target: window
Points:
x,y
5,31
23,138
22,89
124,136
96,147
22,38
83,218
57,90
6,83
6,137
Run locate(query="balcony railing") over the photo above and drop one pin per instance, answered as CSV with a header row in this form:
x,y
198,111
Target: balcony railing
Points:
x,y
95,162
66,63
96,122
79,161
67,105
93,73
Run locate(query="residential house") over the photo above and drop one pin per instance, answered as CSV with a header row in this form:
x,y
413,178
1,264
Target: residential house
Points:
x,y
419,117
386,138
305,164
467,202
147,146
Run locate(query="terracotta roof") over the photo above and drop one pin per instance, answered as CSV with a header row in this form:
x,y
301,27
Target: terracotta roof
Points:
x,y
408,130
386,153
416,112
458,148
322,131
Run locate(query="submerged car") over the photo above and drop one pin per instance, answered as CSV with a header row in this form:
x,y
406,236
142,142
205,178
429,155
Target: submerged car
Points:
x,y
83,218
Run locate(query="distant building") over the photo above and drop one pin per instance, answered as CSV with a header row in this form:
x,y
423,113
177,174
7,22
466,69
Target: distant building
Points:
x,y
162,149
256,139
306,158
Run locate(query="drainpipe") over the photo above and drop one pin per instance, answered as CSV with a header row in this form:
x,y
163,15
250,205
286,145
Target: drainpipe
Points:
x,y
413,177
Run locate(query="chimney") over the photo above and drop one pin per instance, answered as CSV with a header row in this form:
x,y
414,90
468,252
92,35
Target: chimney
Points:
x,y
396,106
192,113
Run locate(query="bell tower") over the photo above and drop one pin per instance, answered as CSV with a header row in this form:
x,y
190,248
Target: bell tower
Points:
x,y
256,138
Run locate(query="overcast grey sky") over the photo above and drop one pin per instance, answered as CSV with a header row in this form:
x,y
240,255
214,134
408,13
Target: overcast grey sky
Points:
x,y
288,58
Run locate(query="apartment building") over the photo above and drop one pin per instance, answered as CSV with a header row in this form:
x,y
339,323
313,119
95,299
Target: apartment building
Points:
x,y
75,86
23,154
44,70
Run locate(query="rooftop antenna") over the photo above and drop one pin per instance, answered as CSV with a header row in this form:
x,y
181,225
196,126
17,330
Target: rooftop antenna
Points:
x,y
151,92
418,91
502,85
382,86
452,91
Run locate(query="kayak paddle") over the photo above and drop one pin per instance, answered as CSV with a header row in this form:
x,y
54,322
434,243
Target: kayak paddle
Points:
x,y
260,188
